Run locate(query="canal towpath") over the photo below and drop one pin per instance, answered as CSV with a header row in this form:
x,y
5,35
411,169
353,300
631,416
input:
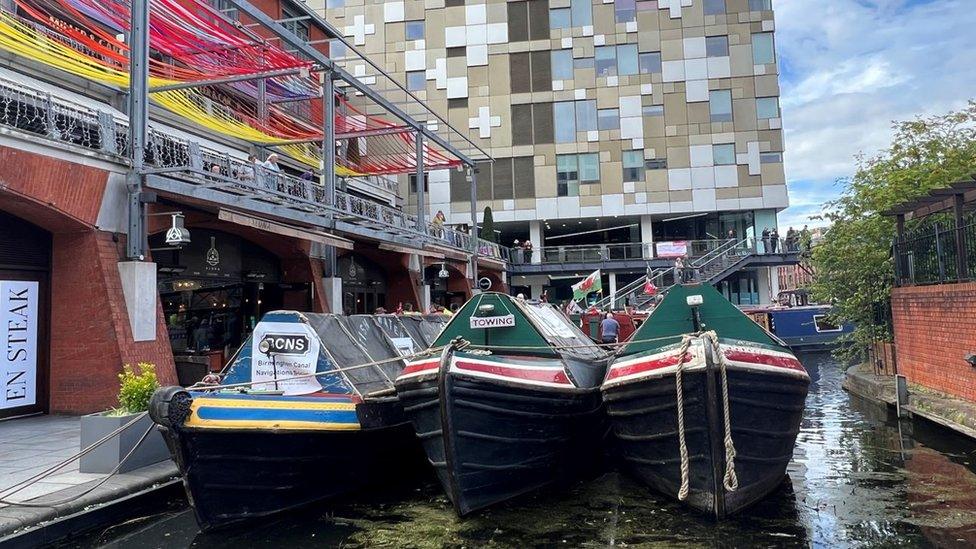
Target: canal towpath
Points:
x,y
31,445
953,413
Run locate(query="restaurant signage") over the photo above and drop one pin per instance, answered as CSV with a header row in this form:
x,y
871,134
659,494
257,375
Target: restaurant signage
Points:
x,y
18,330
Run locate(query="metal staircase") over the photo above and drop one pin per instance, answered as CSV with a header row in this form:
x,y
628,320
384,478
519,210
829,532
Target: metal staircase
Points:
x,y
708,269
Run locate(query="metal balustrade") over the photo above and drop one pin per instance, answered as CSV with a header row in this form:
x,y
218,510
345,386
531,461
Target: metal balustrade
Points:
x,y
937,254
36,112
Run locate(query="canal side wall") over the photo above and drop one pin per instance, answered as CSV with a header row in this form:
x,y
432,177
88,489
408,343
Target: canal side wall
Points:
x,y
935,328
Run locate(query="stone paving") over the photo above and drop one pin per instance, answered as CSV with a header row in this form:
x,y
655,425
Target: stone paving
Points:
x,y
31,445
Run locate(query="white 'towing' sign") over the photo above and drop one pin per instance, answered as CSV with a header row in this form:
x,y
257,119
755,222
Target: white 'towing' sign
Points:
x,y
18,335
481,322
281,350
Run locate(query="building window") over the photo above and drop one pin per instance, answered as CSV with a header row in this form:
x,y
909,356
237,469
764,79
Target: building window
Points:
x,y
337,49
627,59
560,19
717,46
723,155
720,105
416,80
332,4
297,26
584,63
650,62
767,107
582,12
626,10
586,118
763,52
530,72
589,168
223,6
652,110
570,117
608,119
760,5
564,121
633,163
532,123
562,64
656,164
412,180
567,175
606,61
415,30
575,169
714,7
771,158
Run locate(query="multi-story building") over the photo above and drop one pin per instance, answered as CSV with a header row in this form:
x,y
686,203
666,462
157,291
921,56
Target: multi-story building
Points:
x,y
614,124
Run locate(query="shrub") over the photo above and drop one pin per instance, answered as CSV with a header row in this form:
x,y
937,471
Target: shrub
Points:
x,y
136,389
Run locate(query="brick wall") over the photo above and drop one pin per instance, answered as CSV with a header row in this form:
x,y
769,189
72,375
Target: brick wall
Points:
x,y
90,334
935,328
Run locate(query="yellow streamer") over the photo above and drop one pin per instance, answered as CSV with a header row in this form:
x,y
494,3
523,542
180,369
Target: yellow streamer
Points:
x,y
21,39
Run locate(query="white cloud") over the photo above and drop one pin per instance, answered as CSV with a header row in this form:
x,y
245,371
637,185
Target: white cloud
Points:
x,y
851,67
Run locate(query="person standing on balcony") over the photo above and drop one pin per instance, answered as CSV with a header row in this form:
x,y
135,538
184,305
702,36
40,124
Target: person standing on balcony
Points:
x,y
516,251
527,248
791,238
679,269
774,239
438,222
765,240
247,173
731,235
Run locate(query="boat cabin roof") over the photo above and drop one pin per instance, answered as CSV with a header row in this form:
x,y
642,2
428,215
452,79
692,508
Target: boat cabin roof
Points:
x,y
501,322
673,318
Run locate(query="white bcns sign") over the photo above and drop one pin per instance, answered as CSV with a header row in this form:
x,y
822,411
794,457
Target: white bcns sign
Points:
x,y
282,350
18,330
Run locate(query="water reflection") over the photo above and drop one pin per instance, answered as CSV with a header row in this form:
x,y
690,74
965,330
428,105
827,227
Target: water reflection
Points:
x,y
859,478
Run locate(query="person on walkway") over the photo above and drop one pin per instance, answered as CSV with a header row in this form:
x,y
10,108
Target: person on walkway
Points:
x,y
731,234
679,269
527,250
438,222
791,238
609,329
765,240
517,251
806,238
774,239
247,173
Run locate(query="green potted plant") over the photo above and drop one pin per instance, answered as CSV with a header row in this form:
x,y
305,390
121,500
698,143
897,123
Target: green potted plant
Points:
x,y
135,389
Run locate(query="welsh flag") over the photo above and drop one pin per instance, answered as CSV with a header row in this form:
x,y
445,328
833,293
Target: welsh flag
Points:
x,y
592,283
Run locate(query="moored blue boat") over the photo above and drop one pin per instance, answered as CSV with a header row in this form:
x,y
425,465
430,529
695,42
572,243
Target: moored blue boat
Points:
x,y
299,419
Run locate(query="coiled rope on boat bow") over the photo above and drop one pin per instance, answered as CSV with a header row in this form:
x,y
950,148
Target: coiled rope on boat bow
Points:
x,y
730,481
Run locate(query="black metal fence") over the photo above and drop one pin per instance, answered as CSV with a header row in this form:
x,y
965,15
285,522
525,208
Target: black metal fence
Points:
x,y
936,255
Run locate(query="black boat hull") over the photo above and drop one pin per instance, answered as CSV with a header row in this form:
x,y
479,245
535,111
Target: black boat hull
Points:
x,y
492,441
765,409
238,474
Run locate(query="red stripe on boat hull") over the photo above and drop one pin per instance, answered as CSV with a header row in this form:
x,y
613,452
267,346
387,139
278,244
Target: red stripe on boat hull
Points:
x,y
517,374
420,367
752,357
650,365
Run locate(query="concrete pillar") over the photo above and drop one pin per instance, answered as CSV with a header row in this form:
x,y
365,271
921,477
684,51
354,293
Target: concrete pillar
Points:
x,y
773,282
536,291
538,240
424,298
139,290
332,286
613,289
647,236
764,289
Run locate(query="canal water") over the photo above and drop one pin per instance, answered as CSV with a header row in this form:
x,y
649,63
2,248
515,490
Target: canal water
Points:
x,y
859,478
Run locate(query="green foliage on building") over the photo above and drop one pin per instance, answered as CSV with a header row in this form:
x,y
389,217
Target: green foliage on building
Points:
x,y
853,263
488,226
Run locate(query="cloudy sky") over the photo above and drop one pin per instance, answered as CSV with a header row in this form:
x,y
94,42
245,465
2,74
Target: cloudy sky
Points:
x,y
851,67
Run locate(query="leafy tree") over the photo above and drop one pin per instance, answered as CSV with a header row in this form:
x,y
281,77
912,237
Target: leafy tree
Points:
x,y
488,226
854,267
